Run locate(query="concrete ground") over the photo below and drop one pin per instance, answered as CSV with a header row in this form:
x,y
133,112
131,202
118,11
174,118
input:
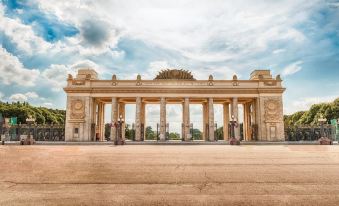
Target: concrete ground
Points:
x,y
169,175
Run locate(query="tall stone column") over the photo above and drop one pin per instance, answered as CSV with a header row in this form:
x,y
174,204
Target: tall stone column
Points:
x,y
142,120
249,122
138,119
211,120
101,124
162,119
245,123
186,119
205,121
114,118
236,116
226,116
102,136
122,114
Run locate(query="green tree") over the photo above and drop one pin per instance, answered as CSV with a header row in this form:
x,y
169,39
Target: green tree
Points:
x,y
150,134
197,134
174,136
310,117
23,110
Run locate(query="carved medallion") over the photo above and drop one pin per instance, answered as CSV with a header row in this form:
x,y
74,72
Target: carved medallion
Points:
x,y
273,110
77,109
175,74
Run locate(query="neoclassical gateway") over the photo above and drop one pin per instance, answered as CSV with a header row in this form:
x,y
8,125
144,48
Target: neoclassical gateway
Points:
x,y
261,97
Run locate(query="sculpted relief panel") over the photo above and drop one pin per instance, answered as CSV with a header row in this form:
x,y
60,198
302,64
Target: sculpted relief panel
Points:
x,y
77,109
273,110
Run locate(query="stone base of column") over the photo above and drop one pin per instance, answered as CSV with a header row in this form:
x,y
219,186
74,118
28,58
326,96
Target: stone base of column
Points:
x,y
162,138
234,141
188,138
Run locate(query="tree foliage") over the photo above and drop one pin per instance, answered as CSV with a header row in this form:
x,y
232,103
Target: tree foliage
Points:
x,y
23,110
310,117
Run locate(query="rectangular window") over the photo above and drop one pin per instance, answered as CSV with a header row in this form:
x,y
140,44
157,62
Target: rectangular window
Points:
x,y
76,130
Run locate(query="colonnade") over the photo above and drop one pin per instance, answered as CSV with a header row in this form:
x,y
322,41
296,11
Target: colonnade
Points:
x,y
229,105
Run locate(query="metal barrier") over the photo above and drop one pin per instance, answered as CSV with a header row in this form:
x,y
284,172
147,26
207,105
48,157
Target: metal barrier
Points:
x,y
39,132
308,133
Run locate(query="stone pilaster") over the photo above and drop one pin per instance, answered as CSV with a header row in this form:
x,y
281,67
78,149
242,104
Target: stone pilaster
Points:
x,y
271,118
211,119
226,117
114,118
258,118
138,119
186,119
162,119
79,118
236,116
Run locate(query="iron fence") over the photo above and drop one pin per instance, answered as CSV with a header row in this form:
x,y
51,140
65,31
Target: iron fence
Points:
x,y
308,133
39,132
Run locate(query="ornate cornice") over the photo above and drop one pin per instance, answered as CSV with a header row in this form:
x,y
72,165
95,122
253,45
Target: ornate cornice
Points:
x,y
144,90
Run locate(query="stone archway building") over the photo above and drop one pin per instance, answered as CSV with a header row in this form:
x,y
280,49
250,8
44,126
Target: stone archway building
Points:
x,y
261,97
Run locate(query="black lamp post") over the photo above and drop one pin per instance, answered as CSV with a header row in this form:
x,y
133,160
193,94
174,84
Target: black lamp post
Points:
x,y
216,131
192,133
323,139
30,120
118,137
233,140
157,137
167,132
322,120
133,133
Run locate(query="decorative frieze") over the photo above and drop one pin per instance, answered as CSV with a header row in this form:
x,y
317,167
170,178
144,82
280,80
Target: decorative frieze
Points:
x,y
273,110
77,109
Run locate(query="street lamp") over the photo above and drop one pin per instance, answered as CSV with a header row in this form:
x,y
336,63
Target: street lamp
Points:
x,y
192,133
323,139
167,132
157,131
216,131
118,137
233,140
30,120
322,120
133,132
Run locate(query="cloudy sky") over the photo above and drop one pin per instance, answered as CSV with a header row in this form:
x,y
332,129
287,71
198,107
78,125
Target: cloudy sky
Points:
x,y
43,40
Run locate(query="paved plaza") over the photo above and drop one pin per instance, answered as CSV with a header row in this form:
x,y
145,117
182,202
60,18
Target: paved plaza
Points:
x,y
169,175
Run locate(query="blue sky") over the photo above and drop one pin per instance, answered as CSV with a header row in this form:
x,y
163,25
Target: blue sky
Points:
x,y
44,40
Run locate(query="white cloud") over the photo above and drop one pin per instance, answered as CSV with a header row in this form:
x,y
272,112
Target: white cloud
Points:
x,y
154,68
278,51
199,30
292,68
23,36
31,95
304,104
86,64
48,104
18,97
12,71
23,97
56,76
1,96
